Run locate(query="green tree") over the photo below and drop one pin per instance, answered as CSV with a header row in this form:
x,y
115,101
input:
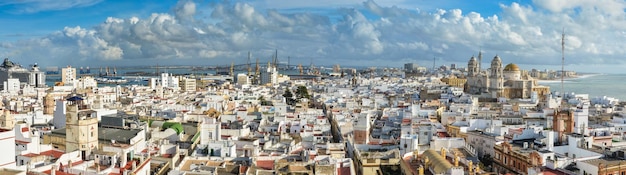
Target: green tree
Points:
x,y
289,97
302,92
264,102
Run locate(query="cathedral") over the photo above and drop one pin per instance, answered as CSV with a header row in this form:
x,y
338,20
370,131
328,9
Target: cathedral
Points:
x,y
496,81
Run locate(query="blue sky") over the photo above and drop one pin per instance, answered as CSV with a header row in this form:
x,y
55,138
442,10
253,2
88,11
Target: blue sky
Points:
x,y
347,32
27,20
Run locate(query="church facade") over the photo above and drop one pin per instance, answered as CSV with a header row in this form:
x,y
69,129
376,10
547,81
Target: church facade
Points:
x,y
497,81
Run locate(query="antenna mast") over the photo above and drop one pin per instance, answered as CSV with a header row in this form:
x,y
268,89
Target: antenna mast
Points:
x,y
562,60
249,70
434,59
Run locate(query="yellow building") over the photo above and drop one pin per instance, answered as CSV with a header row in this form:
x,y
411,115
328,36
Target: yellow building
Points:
x,y
68,75
6,118
48,104
454,81
187,84
512,158
81,127
508,81
455,131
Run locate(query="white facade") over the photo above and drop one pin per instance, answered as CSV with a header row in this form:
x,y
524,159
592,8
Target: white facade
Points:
x,y
188,84
12,85
86,82
68,75
243,79
58,120
7,142
165,80
209,130
224,148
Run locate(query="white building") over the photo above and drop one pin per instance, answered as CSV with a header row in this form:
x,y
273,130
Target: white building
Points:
x,y
210,130
12,85
7,142
188,84
68,75
86,82
243,79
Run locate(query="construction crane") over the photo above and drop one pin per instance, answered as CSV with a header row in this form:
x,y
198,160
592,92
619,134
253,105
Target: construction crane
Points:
x,y
248,64
232,69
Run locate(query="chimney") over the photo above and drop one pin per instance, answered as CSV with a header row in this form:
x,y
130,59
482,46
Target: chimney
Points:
x,y
456,160
550,140
470,167
443,152
97,168
134,165
53,171
421,170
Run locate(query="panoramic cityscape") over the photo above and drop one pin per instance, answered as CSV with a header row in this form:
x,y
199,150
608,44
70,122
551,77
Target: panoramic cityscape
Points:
x,y
267,87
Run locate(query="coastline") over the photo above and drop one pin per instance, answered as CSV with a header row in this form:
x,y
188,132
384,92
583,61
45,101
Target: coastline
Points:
x,y
594,84
566,79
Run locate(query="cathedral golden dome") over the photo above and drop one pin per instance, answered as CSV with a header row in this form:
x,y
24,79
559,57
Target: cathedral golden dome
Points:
x,y
511,67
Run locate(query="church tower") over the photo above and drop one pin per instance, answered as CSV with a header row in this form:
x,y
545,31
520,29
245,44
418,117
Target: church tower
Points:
x,y
472,67
48,104
496,77
81,127
480,60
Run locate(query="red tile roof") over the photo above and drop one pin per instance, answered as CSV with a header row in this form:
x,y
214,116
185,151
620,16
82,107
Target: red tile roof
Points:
x,y
265,164
22,142
553,172
343,171
53,153
58,172
30,155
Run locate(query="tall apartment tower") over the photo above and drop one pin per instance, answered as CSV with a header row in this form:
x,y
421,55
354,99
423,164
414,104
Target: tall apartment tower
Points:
x,y
68,75
362,130
81,127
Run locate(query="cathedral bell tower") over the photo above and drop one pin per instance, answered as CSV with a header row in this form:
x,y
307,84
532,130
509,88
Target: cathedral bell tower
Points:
x,y
496,77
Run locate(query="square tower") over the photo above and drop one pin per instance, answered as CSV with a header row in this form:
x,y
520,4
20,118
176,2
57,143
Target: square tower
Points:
x,y
81,127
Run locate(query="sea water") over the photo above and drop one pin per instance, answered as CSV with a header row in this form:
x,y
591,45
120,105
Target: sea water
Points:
x,y
596,85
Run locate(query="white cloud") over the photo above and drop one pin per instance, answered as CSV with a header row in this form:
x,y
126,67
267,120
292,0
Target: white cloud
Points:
x,y
525,34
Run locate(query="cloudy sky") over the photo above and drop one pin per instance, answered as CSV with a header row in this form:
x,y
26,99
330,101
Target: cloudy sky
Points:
x,y
346,32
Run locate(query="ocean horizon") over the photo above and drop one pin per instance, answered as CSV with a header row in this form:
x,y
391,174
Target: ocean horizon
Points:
x,y
593,84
